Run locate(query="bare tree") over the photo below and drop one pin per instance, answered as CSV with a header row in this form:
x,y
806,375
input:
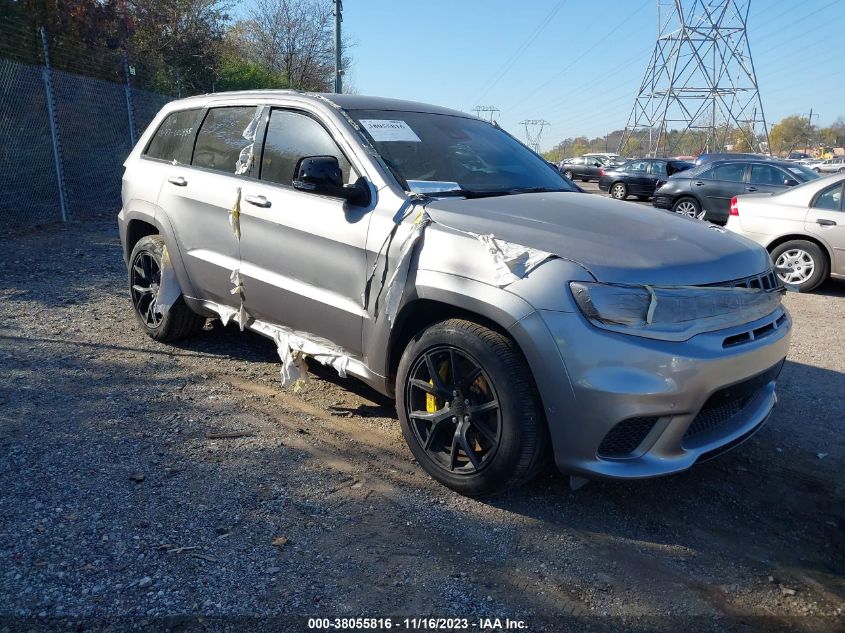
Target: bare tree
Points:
x,y
293,37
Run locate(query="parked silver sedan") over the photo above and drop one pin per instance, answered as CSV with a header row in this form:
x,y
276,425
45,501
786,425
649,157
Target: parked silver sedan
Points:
x,y
803,228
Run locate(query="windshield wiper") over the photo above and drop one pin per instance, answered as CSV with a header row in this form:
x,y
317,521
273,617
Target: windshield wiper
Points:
x,y
465,193
538,190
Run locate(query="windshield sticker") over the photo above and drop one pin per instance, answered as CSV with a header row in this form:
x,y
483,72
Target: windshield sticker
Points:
x,y
431,186
382,130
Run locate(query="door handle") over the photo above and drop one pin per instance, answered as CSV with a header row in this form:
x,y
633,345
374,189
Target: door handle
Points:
x,y
698,183
823,222
751,188
178,181
258,201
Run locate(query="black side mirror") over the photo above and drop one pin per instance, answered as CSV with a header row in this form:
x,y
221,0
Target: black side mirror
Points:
x,y
790,182
322,175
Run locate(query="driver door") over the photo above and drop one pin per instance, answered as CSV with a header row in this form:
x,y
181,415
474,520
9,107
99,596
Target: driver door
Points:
x,y
302,254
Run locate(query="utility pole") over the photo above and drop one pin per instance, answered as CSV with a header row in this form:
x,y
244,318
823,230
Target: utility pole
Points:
x,y
338,69
810,127
534,131
492,111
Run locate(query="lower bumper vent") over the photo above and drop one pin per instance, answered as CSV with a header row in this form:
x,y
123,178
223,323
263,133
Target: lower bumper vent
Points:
x,y
624,438
728,403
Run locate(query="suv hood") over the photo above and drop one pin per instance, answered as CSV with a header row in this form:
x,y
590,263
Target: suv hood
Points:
x,y
617,242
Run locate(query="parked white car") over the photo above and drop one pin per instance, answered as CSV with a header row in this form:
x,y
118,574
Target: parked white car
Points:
x,y
830,166
803,228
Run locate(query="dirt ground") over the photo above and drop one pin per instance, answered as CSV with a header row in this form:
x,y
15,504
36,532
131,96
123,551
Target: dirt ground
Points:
x,y
143,480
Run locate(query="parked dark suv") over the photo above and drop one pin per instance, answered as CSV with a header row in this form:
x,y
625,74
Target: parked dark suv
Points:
x,y
706,190
584,167
638,177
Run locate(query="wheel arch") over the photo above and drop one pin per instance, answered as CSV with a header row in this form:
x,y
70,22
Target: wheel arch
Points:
x,y
789,237
136,229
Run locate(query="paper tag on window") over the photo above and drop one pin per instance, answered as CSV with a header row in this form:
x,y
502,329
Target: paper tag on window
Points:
x,y
383,130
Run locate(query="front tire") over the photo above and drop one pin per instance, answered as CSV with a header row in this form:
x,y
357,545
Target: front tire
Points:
x,y
568,174
144,281
469,410
687,206
809,264
619,191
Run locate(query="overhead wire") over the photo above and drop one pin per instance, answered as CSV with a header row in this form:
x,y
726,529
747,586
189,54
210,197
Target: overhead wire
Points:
x,y
515,56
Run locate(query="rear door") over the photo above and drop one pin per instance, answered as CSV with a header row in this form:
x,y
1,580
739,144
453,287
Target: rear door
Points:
x,y
303,255
766,179
717,186
198,199
826,220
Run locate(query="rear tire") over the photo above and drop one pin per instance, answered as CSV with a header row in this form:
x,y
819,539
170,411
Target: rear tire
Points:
x,y
444,412
619,191
810,264
687,206
144,280
567,173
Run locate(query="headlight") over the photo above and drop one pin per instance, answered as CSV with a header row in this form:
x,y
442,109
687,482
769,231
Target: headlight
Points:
x,y
671,313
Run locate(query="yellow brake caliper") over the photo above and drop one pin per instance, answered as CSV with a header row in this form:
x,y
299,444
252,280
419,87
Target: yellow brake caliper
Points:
x,y
432,403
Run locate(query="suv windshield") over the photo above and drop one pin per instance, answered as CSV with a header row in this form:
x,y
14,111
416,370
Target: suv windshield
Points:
x,y
802,172
438,153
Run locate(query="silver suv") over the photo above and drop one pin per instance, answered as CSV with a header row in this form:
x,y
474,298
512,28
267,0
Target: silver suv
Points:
x,y
436,258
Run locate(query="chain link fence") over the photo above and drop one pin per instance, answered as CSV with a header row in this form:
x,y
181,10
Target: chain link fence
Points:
x,y
69,116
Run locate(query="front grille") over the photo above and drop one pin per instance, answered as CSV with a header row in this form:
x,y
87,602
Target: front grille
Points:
x,y
624,438
726,404
765,281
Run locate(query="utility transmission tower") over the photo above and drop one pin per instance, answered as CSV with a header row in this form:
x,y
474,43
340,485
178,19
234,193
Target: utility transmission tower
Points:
x,y
534,131
700,83
483,112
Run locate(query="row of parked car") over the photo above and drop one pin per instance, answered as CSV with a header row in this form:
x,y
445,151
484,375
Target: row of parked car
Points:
x,y
786,206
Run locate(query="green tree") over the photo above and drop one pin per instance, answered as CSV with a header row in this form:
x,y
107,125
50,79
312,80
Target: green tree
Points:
x,y
789,133
239,74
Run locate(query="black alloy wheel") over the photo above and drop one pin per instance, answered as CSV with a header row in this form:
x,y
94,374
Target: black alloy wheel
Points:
x,y
453,410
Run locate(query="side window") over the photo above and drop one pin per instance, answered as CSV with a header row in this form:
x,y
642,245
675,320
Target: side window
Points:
x,y
658,168
174,138
830,198
224,134
638,167
767,175
292,136
731,172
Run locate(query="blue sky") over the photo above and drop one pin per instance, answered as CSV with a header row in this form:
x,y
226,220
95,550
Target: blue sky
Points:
x,y
579,64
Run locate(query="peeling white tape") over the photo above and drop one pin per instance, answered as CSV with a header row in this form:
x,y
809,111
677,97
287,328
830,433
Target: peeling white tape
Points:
x,y
168,289
235,215
396,285
247,154
512,261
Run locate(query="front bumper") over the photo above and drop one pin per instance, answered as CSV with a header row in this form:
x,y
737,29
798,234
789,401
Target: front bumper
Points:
x,y
684,401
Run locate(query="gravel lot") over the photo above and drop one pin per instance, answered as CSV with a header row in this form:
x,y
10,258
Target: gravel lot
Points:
x,y
145,480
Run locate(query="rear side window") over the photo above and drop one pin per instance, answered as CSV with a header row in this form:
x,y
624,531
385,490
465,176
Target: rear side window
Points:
x,y
731,172
174,138
767,175
830,198
292,136
225,133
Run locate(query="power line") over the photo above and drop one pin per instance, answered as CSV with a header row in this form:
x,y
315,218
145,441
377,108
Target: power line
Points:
x,y
579,58
504,68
